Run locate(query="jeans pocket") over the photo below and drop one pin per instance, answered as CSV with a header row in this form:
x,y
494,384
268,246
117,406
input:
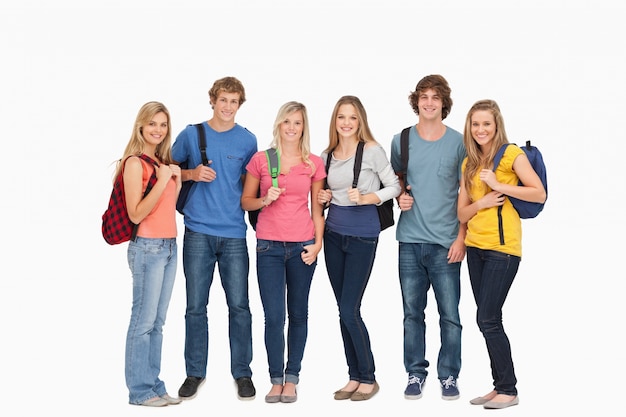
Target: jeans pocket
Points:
x,y
262,245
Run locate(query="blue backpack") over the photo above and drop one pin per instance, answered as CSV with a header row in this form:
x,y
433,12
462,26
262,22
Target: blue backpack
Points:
x,y
525,209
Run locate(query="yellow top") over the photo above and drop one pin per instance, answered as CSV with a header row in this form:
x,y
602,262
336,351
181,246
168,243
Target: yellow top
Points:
x,y
482,229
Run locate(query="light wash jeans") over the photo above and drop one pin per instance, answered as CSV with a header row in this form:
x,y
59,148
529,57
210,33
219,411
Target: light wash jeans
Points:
x,y
422,265
284,284
153,266
200,254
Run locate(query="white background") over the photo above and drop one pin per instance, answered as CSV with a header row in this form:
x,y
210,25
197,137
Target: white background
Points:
x,y
73,76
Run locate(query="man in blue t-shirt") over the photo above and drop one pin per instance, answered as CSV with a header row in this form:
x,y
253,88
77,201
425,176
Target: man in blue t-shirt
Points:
x,y
215,232
430,238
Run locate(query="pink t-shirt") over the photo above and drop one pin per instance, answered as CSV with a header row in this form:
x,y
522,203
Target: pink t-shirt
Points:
x,y
161,222
288,219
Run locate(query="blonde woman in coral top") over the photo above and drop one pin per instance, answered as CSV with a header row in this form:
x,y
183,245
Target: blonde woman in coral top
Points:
x,y
152,255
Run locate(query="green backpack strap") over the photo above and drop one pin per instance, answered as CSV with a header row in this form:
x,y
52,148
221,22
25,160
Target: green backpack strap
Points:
x,y
273,164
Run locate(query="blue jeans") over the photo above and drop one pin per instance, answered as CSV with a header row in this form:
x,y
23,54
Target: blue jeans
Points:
x,y
349,261
200,254
152,263
422,265
283,276
491,275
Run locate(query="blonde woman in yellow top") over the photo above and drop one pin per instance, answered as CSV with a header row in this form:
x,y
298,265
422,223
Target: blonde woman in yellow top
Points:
x,y
492,264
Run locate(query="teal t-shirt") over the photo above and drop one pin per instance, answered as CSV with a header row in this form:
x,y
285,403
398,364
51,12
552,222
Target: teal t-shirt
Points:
x,y
434,172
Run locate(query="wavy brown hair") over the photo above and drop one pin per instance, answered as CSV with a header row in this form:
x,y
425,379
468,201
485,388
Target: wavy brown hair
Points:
x,y
437,83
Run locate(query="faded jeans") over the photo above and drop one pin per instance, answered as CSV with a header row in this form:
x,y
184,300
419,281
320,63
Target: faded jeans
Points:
x,y
422,265
153,266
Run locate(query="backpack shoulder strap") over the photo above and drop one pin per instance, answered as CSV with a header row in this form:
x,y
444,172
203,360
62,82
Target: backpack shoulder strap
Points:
x,y
499,155
273,164
329,156
358,158
496,162
202,143
151,182
404,153
153,177
148,159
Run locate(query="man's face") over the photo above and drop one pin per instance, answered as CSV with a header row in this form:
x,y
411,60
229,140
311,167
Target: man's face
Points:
x,y
226,106
430,105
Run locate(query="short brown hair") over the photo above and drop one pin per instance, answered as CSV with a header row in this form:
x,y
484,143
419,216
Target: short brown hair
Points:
x,y
228,85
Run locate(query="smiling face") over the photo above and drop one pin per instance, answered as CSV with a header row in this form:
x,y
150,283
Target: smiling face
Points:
x,y
156,129
226,106
291,128
347,122
483,128
430,105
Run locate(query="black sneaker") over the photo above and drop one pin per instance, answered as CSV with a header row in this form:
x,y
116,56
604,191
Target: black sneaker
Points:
x,y
189,389
245,388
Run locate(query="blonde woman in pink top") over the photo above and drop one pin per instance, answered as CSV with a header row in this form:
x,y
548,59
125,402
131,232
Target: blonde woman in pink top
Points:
x,y
289,235
152,255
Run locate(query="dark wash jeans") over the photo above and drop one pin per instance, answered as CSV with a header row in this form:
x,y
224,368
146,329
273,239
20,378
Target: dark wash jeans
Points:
x,y
491,275
284,284
349,261
200,254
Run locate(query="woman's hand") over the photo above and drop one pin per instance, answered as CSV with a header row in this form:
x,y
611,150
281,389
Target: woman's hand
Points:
x,y
354,195
489,177
272,195
492,199
324,197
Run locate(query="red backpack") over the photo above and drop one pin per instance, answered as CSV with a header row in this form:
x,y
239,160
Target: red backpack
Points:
x,y
116,225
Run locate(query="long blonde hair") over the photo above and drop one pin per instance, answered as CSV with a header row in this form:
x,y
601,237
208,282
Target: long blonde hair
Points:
x,y
475,158
137,142
305,141
363,133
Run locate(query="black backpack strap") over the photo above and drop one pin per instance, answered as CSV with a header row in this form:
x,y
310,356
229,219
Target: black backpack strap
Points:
x,y
496,162
358,158
329,156
404,153
202,143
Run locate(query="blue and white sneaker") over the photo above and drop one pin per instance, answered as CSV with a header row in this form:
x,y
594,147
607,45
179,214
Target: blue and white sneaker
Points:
x,y
413,389
449,390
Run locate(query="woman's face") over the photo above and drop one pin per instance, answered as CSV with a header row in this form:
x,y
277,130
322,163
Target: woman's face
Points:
x,y
291,128
156,129
483,127
347,122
